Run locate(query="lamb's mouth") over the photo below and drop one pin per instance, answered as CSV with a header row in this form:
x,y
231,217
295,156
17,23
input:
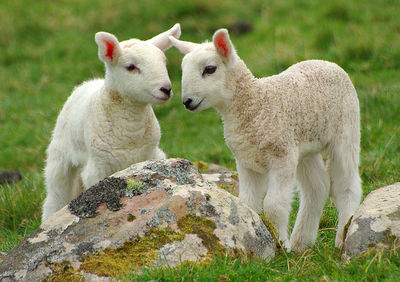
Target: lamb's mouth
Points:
x,y
193,108
162,97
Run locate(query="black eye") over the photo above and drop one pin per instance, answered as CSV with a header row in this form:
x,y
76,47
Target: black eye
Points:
x,y
209,69
131,67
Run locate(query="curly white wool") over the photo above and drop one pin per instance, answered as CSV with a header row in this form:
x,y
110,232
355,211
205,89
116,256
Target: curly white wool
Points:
x,y
108,124
279,129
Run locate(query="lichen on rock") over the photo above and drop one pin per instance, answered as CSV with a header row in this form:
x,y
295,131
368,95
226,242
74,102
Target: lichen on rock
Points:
x,y
180,171
375,220
108,191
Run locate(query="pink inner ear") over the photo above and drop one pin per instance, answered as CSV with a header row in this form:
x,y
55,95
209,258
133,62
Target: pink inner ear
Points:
x,y
110,50
220,40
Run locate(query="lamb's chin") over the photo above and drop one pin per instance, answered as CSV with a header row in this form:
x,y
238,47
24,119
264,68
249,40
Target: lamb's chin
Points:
x,y
159,99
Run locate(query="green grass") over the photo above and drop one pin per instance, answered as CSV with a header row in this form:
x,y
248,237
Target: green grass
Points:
x,y
47,47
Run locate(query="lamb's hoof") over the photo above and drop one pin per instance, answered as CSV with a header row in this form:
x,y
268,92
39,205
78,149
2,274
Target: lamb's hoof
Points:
x,y
299,247
286,245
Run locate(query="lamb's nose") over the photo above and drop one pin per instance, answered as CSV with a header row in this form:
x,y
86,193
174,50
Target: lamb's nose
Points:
x,y
165,90
187,102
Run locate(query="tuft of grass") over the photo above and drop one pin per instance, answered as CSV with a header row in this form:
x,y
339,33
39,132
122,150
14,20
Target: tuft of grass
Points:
x,y
20,210
317,263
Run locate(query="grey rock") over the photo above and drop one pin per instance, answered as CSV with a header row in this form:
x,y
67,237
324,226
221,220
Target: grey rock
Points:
x,y
375,221
153,213
190,249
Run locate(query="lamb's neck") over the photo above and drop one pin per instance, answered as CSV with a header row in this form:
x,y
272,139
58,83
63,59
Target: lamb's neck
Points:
x,y
241,84
117,107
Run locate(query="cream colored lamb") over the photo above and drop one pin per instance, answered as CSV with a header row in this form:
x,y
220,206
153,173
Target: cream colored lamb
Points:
x,y
279,129
108,124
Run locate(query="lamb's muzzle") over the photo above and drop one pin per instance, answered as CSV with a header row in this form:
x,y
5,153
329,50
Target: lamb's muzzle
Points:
x,y
166,91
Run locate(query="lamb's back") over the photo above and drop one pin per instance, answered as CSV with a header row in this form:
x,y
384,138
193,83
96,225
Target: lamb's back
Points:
x,y
69,132
311,100
305,107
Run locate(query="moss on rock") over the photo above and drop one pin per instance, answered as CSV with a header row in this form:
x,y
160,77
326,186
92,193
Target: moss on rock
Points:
x,y
272,230
230,188
63,271
204,228
202,166
235,176
140,251
133,188
132,255
131,217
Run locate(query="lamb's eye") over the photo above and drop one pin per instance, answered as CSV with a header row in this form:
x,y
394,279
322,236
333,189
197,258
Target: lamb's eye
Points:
x,y
131,67
209,69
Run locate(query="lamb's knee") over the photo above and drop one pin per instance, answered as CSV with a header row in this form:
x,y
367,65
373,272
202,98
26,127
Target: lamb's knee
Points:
x,y
159,155
88,176
275,211
250,198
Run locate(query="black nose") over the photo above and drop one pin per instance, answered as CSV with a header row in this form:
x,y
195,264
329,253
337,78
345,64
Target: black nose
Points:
x,y
165,90
187,102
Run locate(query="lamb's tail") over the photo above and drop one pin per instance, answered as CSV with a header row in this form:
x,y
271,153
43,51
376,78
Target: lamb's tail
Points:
x,y
62,182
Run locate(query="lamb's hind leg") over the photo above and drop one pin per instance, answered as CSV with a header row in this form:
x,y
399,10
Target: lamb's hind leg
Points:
x,y
345,184
314,183
60,177
251,187
278,201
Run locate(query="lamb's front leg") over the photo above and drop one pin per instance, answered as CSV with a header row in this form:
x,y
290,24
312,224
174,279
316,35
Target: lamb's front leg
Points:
x,y
93,172
279,197
251,187
158,154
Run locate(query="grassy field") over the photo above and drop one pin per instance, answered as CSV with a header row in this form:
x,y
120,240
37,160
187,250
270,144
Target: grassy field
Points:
x,y
47,47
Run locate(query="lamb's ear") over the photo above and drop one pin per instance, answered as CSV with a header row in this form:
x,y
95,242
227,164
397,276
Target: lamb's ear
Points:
x,y
183,46
224,45
162,40
109,49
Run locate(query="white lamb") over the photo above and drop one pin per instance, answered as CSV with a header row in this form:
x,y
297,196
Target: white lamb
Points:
x,y
108,124
279,128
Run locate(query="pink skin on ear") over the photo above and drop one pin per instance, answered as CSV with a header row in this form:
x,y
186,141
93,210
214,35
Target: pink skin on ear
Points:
x,y
110,50
220,41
